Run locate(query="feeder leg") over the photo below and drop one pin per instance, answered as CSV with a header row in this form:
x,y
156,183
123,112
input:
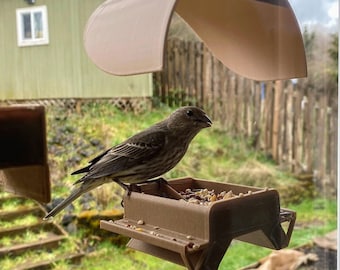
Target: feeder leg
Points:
x,y
215,254
186,260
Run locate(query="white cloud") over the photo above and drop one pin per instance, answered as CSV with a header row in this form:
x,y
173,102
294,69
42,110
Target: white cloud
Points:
x,y
324,12
333,11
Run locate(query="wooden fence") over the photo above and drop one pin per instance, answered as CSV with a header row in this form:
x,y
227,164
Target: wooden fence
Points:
x,y
296,126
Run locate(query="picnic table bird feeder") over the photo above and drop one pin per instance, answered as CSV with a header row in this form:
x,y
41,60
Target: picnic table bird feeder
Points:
x,y
197,236
259,39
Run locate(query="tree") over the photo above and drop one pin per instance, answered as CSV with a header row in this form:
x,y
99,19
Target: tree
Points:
x,y
321,49
333,54
309,43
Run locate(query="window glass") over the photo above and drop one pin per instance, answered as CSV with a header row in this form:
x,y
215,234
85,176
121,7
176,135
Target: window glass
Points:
x,y
26,25
38,25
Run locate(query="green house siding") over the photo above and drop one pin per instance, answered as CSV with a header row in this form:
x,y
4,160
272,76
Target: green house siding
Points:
x,y
60,69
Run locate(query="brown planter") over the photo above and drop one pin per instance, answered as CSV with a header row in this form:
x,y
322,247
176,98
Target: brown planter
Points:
x,y
197,236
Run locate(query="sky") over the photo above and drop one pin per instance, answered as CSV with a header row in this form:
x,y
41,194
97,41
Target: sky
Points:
x,y
310,12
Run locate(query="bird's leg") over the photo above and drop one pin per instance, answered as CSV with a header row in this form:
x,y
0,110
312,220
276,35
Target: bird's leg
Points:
x,y
127,188
124,186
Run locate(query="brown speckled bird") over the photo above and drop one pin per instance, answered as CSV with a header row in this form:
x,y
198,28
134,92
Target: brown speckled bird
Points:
x,y
142,157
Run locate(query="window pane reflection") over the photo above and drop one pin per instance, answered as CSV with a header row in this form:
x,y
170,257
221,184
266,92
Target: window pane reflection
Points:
x,y
38,25
26,21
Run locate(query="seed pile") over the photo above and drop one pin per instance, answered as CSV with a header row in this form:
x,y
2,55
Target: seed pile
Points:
x,y
205,196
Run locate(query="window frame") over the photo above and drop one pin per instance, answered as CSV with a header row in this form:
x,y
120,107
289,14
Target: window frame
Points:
x,y
32,41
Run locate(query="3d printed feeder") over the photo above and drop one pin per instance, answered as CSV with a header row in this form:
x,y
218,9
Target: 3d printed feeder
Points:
x,y
197,236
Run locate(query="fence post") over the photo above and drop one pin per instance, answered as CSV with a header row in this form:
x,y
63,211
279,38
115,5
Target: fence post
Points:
x,y
276,118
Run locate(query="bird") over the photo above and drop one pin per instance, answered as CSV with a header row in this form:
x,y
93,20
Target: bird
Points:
x,y
142,157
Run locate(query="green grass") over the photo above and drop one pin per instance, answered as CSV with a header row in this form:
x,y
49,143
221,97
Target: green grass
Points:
x,y
15,204
314,218
114,258
25,237
212,155
10,262
22,220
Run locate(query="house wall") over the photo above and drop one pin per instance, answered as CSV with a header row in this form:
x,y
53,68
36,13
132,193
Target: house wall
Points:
x,y
60,69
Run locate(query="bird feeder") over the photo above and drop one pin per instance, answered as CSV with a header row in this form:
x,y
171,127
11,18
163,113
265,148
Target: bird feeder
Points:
x,y
197,236
23,161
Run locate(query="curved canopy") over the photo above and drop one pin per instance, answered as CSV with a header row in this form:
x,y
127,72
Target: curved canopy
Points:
x,y
259,39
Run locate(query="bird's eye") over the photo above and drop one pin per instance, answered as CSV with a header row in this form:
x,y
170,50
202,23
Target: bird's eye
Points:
x,y
189,113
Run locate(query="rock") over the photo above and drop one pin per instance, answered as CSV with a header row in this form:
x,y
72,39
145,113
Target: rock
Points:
x,y
67,219
95,142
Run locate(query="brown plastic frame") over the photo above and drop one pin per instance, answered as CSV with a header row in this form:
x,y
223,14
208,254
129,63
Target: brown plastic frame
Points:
x,y
198,236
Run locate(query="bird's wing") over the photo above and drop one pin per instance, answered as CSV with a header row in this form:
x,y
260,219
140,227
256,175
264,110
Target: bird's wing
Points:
x,y
134,151
87,168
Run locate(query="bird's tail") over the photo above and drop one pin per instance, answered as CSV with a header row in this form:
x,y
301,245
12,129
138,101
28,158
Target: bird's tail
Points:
x,y
76,192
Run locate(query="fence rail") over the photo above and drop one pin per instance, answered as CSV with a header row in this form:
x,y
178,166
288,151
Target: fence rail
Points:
x,y
297,126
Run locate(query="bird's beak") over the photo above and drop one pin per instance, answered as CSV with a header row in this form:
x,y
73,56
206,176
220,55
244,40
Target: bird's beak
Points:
x,y
208,121
205,121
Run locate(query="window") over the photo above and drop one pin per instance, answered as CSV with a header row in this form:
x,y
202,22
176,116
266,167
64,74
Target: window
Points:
x,y
32,26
